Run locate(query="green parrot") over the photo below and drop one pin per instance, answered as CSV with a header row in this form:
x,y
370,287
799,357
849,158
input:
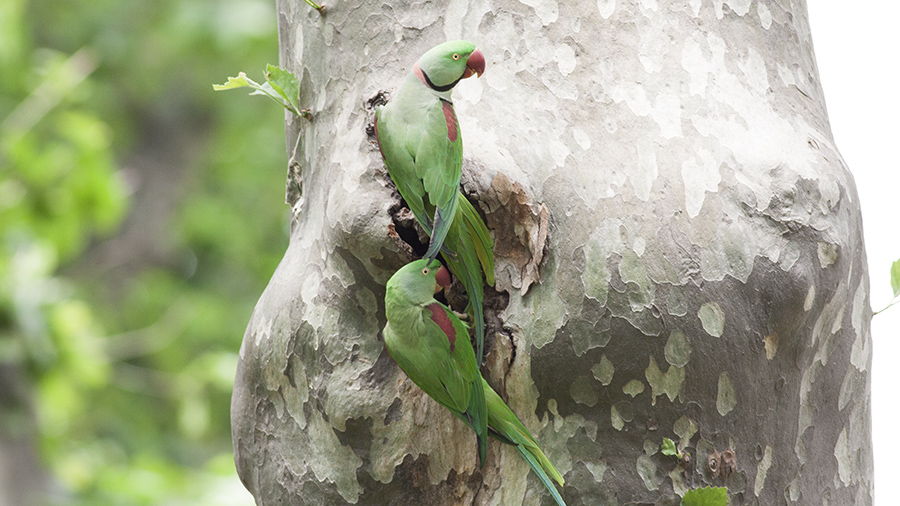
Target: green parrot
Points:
x,y
418,135
430,343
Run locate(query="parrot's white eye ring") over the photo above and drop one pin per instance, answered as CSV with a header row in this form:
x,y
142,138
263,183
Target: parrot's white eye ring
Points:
x,y
455,56
425,271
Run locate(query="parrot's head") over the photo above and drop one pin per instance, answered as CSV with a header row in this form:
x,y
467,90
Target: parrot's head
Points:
x,y
446,64
419,280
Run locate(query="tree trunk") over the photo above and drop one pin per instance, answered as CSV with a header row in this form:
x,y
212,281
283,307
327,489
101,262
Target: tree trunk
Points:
x,y
679,255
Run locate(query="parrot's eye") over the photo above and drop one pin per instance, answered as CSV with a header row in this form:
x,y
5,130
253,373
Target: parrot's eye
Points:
x,y
455,56
425,271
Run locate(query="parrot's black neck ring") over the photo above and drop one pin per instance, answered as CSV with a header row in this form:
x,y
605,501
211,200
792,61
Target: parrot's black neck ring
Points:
x,y
439,88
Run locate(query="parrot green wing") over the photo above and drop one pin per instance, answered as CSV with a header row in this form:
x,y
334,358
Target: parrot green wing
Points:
x,y
418,136
391,137
439,165
478,234
460,375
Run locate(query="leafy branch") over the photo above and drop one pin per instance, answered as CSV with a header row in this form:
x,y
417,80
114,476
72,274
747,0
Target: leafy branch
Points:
x,y
668,448
895,285
706,496
281,86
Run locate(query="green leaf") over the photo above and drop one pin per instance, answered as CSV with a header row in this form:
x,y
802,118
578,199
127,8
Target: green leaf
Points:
x,y
668,447
233,82
709,496
895,278
281,86
285,84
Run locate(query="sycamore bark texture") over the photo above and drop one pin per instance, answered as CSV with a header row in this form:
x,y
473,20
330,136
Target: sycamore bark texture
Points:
x,y
679,254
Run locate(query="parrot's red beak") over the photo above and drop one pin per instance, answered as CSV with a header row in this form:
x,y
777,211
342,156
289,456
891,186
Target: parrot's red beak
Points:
x,y
474,65
443,278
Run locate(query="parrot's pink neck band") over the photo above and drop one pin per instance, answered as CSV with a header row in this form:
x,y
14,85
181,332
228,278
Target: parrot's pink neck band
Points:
x,y
417,71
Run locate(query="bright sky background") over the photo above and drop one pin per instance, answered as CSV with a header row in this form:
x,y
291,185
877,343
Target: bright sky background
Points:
x,y
857,53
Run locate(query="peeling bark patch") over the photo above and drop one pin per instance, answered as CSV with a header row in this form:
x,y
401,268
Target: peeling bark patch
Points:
x,y
603,371
606,7
547,11
633,388
771,344
647,471
844,460
641,290
668,383
619,413
676,302
678,349
713,318
295,400
394,411
582,392
762,470
726,400
765,15
685,428
439,316
699,176
520,228
810,298
848,389
329,447
678,485
861,353
828,254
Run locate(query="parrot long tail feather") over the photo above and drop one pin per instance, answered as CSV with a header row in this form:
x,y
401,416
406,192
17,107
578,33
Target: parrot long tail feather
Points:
x,y
506,427
476,301
479,415
542,475
480,237
445,250
467,269
438,234
474,263
523,439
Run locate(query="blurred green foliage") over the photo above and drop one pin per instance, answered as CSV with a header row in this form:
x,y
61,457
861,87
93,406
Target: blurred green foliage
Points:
x,y
141,215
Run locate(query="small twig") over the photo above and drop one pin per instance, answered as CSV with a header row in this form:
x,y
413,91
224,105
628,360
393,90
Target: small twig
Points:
x,y
895,301
293,159
320,8
51,92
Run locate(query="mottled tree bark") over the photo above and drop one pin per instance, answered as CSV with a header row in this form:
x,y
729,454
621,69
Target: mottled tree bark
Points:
x,y
679,254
